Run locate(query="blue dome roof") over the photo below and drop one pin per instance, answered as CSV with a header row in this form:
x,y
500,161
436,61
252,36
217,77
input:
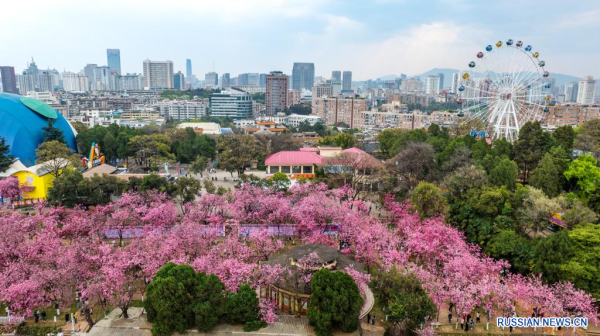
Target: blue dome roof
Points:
x,y
22,128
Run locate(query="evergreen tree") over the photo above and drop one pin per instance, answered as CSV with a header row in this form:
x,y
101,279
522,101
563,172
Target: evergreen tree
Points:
x,y
52,133
547,177
531,146
505,174
335,301
5,159
565,136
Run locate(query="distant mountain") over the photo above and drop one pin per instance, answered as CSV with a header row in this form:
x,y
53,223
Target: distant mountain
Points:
x,y
560,78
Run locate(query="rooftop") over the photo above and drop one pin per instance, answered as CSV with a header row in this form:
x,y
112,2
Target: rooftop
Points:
x,y
292,158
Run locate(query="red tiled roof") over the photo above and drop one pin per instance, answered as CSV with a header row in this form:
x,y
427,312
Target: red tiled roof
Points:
x,y
354,150
292,158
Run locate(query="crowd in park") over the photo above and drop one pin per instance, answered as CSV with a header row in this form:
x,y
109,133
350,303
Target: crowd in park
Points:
x,y
466,228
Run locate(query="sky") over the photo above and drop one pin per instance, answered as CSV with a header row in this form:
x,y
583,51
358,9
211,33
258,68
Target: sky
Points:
x,y
371,38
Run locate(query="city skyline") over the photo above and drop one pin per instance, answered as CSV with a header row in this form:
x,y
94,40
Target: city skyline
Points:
x,y
395,36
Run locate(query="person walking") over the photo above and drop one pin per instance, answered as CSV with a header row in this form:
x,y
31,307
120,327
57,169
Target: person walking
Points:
x,y
369,318
75,317
478,317
67,317
449,317
472,324
468,317
44,316
462,323
373,320
36,316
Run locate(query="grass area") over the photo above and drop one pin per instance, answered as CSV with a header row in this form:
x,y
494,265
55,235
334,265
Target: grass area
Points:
x,y
137,303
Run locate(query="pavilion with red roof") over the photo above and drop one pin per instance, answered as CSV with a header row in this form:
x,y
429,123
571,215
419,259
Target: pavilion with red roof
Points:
x,y
293,163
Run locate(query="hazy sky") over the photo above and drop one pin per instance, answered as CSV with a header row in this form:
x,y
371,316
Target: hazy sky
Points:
x,y
371,38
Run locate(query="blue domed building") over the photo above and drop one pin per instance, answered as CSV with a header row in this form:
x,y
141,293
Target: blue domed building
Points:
x,y
22,120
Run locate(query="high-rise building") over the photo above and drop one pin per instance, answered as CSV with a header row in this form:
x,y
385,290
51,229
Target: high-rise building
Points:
x,y
74,82
158,74
46,83
129,82
188,70
455,82
262,80
586,91
347,81
411,85
225,80
113,58
179,81
336,75
211,79
25,83
9,82
233,103
33,70
441,75
303,76
432,84
333,110
276,96
322,89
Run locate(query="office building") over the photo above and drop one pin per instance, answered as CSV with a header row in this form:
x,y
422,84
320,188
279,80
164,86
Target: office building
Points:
x,y
441,76
179,81
336,75
571,91
158,74
98,77
262,80
276,95
113,58
586,91
9,81
74,82
211,79
347,81
233,103
226,80
188,70
25,83
432,85
248,79
303,76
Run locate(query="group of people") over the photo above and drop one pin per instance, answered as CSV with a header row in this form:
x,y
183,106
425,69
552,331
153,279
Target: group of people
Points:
x,y
371,319
466,320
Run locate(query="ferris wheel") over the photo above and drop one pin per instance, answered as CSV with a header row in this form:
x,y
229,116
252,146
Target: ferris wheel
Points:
x,y
505,87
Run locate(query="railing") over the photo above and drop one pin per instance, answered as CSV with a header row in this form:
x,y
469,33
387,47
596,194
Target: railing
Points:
x,y
11,319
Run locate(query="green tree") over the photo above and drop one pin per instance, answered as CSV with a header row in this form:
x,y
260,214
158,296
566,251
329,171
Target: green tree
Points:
x,y
185,190
242,307
237,152
405,301
588,137
152,150
65,189
565,136
515,248
546,176
463,181
52,133
5,159
531,146
344,140
210,302
154,181
551,253
535,211
110,146
335,301
502,147
279,181
210,187
584,267
585,172
428,200
55,156
505,174
199,165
